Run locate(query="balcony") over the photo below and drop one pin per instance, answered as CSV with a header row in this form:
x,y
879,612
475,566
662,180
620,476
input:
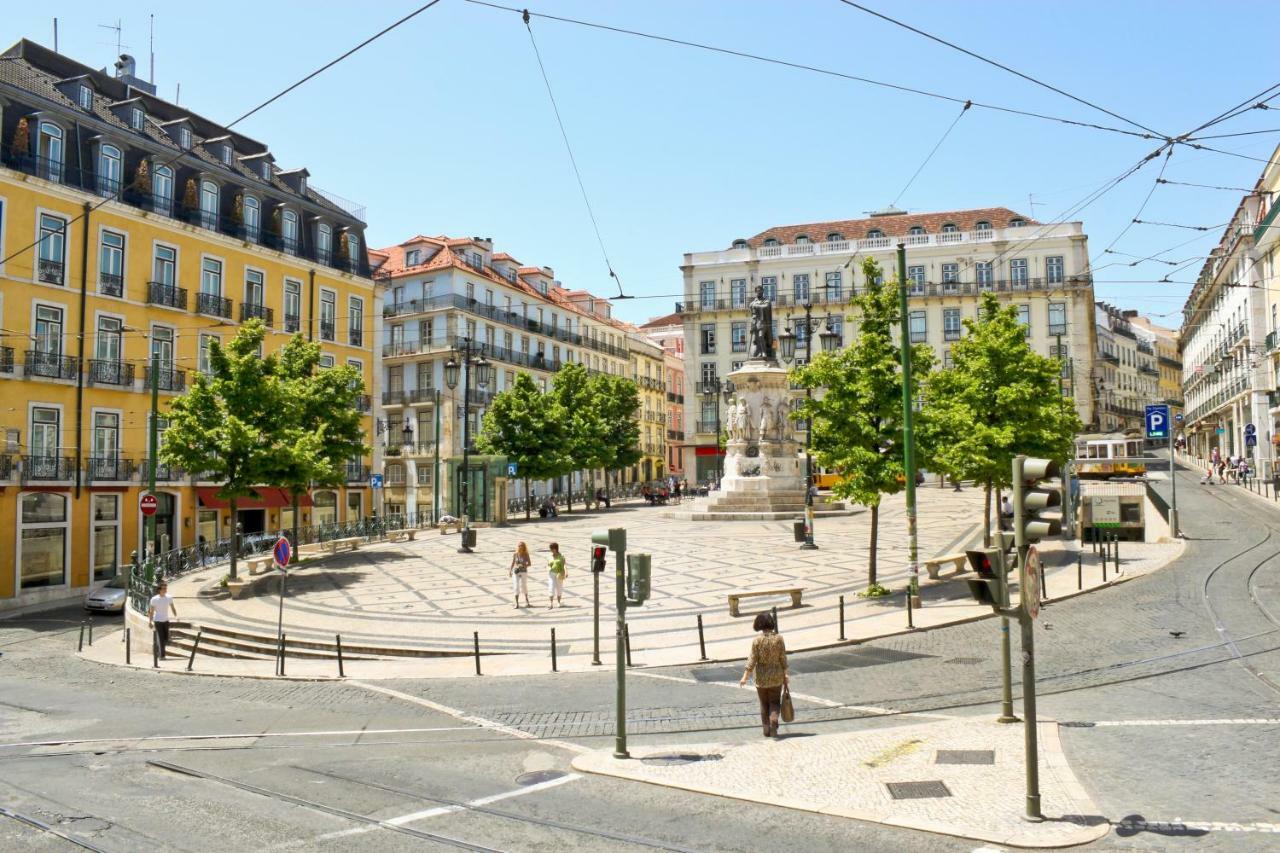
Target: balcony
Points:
x,y
1109,357
50,272
364,404
292,323
249,311
47,365
43,469
1148,370
673,397
355,337
166,295
420,396
357,472
167,379
110,284
6,360
6,467
108,469
1056,329
675,435
107,372
327,330
393,398
708,427
164,473
213,305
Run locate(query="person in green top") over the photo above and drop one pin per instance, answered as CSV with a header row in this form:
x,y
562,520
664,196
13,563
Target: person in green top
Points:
x,y
555,576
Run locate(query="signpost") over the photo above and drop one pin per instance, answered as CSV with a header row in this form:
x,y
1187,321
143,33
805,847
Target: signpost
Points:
x,y
375,481
281,553
1029,584
147,504
1158,427
511,470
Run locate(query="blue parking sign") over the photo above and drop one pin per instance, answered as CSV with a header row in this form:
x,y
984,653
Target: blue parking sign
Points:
x,y
1157,421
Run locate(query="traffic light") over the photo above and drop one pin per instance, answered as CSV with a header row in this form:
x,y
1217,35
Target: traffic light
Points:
x,y
1031,498
638,572
985,563
597,558
615,538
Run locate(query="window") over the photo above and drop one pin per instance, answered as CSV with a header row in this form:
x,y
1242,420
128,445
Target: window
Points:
x,y
111,264
1024,317
738,336
982,225
800,287
707,295
292,305
708,339
1018,273
252,218
835,237
769,283
49,152
951,324
290,232
162,348
164,266
916,276
426,375
982,274
835,286
136,118
916,230
355,321
209,204
184,137
107,343
103,463
162,190
211,276
204,361
324,244
1053,269
1057,318
770,241
353,249
43,558
395,473
950,228
84,96
110,169
53,245
48,342
106,536
254,288
950,277
737,292
875,234
225,155
328,314
708,372
1017,223
947,361
413,257
918,327
265,170
326,361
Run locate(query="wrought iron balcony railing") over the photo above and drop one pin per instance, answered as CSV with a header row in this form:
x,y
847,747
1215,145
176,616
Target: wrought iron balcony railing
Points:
x,y
48,365
47,468
110,372
213,305
166,295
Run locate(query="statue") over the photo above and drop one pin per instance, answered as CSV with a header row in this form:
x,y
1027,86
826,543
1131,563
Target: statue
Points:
x,y
742,420
761,327
766,420
783,423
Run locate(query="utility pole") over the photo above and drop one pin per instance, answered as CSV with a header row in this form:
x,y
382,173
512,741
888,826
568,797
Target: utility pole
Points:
x,y
908,439
153,435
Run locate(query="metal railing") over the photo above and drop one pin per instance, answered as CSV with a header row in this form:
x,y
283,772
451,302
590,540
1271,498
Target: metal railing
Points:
x,y
213,305
167,378
108,468
107,372
46,468
6,360
248,311
166,295
50,271
110,284
48,365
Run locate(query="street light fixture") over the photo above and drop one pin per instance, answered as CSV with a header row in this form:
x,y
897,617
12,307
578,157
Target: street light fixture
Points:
x,y
829,341
469,354
712,389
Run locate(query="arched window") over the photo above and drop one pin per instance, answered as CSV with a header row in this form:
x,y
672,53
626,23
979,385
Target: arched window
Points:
x,y
770,241
1017,223
49,152
252,218
917,230
835,237
739,244
982,225
162,190
802,239
324,242
110,168
950,228
209,204
289,231
875,234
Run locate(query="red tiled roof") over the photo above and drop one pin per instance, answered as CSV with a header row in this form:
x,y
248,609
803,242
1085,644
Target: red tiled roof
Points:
x,y
892,226
661,322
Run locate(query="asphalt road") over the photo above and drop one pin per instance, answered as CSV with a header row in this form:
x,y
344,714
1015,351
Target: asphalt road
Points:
x,y
1149,734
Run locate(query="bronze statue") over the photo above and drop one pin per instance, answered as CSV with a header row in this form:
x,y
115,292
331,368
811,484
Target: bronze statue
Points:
x,y
761,327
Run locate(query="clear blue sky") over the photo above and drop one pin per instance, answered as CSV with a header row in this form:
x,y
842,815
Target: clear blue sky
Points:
x,y
443,126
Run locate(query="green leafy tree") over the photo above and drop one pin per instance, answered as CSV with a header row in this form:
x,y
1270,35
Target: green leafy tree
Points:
x,y
229,424
617,401
586,440
1000,398
321,421
857,415
528,427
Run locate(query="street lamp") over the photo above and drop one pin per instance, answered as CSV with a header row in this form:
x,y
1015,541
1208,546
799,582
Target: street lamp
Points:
x,y
469,354
711,391
829,340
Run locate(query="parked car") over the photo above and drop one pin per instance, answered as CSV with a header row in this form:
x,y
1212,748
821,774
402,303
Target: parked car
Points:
x,y
110,597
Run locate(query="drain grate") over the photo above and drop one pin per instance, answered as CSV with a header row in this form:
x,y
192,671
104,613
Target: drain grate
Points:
x,y
538,777
965,756
679,758
917,790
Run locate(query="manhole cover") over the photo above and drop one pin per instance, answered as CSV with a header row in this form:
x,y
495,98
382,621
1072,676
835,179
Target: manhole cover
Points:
x,y
966,756
917,790
679,758
538,777
964,661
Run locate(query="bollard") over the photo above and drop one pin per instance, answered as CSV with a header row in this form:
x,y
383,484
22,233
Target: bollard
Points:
x,y
282,639
155,650
128,648
1044,591
775,620
842,617
702,641
337,638
1079,572
475,638
90,621
554,668
1115,557
626,637
1104,567
191,660
80,643
910,622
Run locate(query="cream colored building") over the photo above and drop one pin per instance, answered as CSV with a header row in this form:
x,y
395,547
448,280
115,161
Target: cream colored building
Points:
x,y
952,257
1168,362
668,333
1125,373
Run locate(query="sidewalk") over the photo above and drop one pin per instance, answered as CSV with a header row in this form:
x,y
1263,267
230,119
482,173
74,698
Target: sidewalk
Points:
x,y
960,777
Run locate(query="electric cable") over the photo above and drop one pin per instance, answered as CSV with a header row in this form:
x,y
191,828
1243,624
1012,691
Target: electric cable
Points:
x,y
920,168
1207,186
1178,225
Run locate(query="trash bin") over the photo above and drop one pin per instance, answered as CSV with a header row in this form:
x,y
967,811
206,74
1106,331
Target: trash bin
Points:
x,y
469,538
797,530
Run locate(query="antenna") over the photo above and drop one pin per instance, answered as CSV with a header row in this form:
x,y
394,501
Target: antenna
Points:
x,y
118,26
1031,203
153,49
55,35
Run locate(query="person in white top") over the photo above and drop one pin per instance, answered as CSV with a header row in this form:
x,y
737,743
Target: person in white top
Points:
x,y
160,610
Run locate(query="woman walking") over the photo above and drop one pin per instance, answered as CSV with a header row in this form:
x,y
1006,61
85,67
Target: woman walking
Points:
x,y
768,662
555,576
519,573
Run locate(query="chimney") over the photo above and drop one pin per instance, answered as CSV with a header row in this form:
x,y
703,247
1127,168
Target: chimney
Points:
x,y
126,68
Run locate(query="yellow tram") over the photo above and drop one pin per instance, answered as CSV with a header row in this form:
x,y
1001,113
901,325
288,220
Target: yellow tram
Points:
x,y
1095,452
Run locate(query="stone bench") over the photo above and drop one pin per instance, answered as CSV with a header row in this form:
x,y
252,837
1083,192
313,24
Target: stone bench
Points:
x,y
934,566
734,597
260,565
351,542
456,525
404,534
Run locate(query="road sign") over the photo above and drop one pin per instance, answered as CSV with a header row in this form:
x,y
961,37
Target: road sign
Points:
x,y
1251,440
511,469
1178,417
376,481
282,553
1029,583
1158,421
147,504
1250,429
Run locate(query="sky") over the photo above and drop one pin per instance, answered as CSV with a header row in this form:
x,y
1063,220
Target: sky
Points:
x,y
444,124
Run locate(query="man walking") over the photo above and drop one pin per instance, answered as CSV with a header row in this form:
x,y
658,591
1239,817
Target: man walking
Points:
x,y
160,610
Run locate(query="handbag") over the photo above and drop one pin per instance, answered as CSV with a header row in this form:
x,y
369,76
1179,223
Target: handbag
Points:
x,y
788,712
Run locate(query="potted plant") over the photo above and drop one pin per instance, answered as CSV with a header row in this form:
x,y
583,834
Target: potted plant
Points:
x,y
21,144
189,200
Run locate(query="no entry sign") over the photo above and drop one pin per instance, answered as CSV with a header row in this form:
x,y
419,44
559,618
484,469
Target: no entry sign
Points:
x,y
282,552
147,504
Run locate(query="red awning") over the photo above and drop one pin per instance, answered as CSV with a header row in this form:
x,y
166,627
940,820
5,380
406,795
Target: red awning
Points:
x,y
708,451
271,497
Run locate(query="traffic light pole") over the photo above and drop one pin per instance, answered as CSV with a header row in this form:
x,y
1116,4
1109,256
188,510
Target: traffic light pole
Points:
x,y
1006,653
620,653
1173,490
595,637
1029,734
908,439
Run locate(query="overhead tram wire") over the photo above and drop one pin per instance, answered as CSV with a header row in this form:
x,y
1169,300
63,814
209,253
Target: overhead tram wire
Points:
x,y
256,109
1178,225
1207,186
564,134
920,168
800,66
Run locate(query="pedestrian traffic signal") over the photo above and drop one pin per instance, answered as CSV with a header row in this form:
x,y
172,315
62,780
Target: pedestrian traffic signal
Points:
x,y
638,570
1030,498
985,563
615,538
597,558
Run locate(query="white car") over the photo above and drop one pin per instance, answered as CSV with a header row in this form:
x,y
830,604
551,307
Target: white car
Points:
x,y
109,598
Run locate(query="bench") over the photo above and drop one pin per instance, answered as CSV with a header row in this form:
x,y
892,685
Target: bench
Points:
x,y
260,565
735,597
935,565
405,534
456,524
351,542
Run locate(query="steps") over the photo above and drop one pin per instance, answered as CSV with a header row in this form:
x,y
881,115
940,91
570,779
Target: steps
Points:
x,y
246,645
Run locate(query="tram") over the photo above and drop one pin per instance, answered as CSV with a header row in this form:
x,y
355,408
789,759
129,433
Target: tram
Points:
x,y
1094,452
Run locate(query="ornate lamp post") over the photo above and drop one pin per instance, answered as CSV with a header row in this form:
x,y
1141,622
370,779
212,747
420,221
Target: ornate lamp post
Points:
x,y
830,341
468,353
712,389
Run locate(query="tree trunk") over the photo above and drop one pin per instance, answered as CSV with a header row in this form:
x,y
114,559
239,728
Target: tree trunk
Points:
x,y
986,515
295,520
875,535
235,537
999,511
568,493
527,508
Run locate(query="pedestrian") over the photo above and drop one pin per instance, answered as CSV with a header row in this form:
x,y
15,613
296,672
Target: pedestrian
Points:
x,y
519,573
1006,513
1242,474
555,576
1208,475
160,609
768,662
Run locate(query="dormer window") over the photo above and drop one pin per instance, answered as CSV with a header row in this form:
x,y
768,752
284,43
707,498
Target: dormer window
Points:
x,y
982,225
224,154
835,237
137,118
184,137
950,228
770,241
302,185
413,257
916,230
1017,223
875,234
85,97
802,239
739,244
266,170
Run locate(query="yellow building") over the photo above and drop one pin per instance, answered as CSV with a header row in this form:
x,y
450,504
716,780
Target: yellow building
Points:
x,y
133,229
648,368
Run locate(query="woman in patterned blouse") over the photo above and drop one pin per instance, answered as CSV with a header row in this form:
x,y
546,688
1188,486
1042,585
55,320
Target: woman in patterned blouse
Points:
x,y
769,663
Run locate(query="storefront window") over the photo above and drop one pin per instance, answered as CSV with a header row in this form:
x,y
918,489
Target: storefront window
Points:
x,y
42,560
355,506
207,527
326,509
106,536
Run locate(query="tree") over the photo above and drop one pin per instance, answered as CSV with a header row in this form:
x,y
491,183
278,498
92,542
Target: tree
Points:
x,y
20,146
857,419
189,200
584,431
228,426
616,401
999,399
528,427
322,422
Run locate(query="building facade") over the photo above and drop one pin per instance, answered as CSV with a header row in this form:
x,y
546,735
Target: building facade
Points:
x,y
1168,364
1126,378
952,258
438,291
668,333
1266,261
649,367
134,232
